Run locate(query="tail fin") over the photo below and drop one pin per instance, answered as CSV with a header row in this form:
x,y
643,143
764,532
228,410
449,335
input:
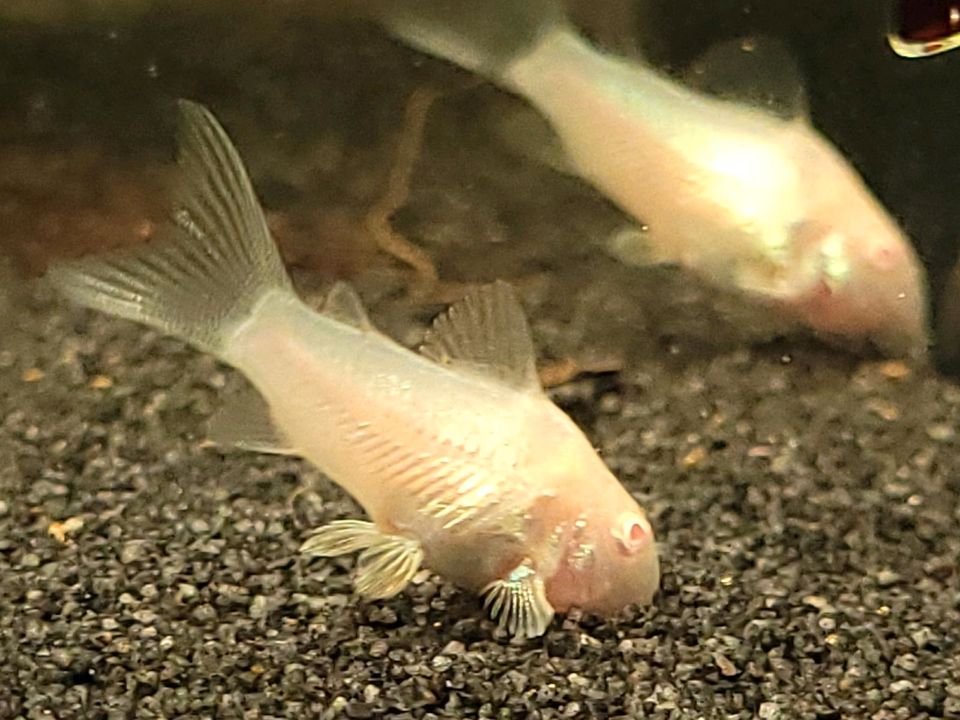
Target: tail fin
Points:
x,y
483,36
205,279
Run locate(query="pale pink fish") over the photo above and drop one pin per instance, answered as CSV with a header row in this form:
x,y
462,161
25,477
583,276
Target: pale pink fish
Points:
x,y
456,454
745,197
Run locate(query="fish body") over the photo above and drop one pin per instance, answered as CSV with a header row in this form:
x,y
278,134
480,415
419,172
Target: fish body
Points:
x,y
442,454
744,197
458,457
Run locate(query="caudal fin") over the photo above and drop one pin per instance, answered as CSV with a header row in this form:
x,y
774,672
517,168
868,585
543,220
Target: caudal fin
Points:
x,y
483,36
217,261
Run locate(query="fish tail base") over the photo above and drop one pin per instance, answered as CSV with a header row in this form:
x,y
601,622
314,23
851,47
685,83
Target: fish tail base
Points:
x,y
483,37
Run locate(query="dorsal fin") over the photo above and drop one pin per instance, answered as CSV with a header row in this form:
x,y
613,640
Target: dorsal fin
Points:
x,y
529,134
759,71
244,422
486,332
344,305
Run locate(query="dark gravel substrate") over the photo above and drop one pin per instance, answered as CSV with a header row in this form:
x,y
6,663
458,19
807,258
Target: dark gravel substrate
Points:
x,y
807,507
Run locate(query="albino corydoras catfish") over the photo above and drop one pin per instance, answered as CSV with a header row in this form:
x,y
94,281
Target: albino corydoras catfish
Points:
x,y
459,458
746,198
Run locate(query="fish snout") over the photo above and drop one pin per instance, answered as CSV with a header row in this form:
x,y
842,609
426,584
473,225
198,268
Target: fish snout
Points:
x,y
607,566
867,287
633,533
628,565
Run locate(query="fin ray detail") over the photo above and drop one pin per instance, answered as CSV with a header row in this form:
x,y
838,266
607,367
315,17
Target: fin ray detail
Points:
x,y
519,603
387,562
486,332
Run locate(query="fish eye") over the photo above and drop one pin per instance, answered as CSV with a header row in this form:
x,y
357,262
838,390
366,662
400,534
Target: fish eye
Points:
x,y
633,533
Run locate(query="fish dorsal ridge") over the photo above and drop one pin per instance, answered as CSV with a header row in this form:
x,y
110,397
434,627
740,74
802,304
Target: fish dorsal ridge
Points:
x,y
758,71
486,332
344,305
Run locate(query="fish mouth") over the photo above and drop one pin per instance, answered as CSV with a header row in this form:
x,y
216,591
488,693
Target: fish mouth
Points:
x,y
857,316
606,598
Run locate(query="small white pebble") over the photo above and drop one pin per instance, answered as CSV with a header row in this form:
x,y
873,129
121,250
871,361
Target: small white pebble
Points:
x,y
769,711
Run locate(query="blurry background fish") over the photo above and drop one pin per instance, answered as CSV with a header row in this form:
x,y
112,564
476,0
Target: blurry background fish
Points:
x,y
919,28
730,182
317,97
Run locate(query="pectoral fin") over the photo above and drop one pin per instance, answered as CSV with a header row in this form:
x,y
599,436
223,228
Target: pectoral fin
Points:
x,y
387,562
387,567
519,603
341,537
759,71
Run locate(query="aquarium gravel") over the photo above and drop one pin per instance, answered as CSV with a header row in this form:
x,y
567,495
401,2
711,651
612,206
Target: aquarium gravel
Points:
x,y
806,503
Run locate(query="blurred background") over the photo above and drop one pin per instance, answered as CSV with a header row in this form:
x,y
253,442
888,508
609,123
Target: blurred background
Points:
x,y
321,102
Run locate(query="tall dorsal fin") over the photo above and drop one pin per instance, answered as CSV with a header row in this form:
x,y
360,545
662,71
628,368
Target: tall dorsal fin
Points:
x,y
486,332
759,71
344,305
529,134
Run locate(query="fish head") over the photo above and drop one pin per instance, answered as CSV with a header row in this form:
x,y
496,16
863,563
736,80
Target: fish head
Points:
x,y
852,273
609,557
862,280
